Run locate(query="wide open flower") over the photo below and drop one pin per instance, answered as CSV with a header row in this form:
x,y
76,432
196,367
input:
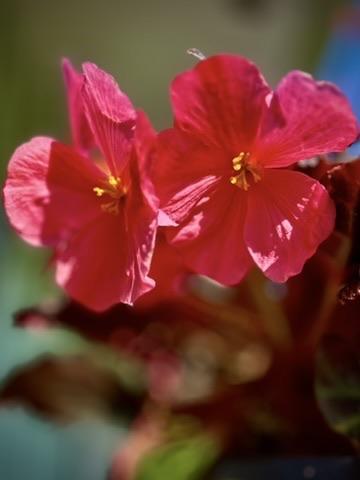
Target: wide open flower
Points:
x,y
220,169
97,212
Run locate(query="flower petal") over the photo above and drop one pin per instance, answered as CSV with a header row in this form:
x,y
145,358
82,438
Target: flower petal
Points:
x,y
211,240
305,119
221,101
81,134
111,116
289,214
142,208
48,191
144,154
108,261
184,172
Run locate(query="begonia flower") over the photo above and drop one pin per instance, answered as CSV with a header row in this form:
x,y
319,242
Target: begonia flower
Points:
x,y
220,171
98,212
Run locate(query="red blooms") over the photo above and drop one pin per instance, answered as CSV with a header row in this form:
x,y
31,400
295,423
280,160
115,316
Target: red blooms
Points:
x,y
99,212
219,179
220,175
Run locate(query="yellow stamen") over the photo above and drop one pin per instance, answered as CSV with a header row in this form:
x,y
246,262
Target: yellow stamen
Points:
x,y
114,181
247,171
115,190
99,191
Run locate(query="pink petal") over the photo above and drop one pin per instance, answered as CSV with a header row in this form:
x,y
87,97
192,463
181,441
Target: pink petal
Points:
x,y
220,101
144,153
305,119
81,134
142,208
211,240
111,116
48,192
289,214
185,171
109,260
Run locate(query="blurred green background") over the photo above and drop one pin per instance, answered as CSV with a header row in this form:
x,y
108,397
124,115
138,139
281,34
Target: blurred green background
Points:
x,y
143,44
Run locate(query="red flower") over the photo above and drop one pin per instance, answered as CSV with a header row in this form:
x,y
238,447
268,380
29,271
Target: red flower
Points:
x,y
100,217
220,175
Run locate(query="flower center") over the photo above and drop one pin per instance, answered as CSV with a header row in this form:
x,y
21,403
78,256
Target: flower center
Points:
x,y
247,173
113,189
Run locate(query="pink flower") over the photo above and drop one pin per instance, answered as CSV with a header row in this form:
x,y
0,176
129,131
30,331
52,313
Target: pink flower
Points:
x,y
97,211
220,169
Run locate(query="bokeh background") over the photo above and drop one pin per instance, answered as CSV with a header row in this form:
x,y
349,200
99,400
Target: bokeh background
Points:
x,y
143,44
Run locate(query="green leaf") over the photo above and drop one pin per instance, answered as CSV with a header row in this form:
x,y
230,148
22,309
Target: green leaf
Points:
x,y
186,459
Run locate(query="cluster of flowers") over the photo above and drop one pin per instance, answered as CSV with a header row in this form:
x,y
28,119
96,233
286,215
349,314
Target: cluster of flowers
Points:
x,y
218,182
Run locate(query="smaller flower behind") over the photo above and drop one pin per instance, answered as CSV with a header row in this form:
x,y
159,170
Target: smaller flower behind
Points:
x,y
98,212
220,169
